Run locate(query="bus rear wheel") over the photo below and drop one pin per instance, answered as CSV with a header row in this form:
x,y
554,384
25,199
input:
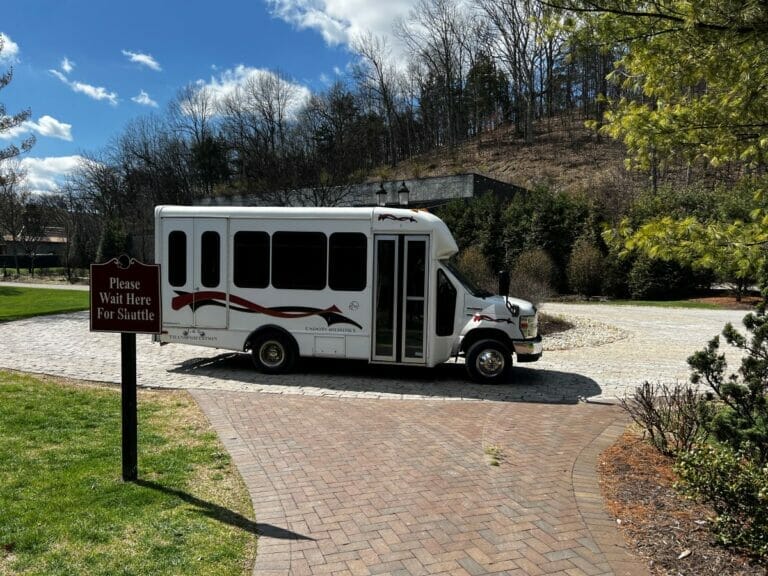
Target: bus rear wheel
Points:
x,y
273,353
488,362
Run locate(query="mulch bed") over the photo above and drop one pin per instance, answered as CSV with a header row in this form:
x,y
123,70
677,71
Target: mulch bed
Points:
x,y
553,324
730,302
664,528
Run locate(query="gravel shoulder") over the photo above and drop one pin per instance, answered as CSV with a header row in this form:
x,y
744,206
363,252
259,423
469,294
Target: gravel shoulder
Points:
x,y
622,346
612,350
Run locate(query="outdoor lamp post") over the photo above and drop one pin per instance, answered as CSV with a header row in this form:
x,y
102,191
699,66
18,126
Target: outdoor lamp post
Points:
x,y
402,194
381,196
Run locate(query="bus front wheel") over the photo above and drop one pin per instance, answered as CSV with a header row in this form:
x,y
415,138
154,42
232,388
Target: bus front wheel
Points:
x,y
488,362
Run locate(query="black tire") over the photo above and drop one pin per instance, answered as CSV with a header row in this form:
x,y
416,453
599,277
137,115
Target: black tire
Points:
x,y
488,362
273,353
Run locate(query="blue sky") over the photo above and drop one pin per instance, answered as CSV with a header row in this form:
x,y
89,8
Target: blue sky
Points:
x,y
87,67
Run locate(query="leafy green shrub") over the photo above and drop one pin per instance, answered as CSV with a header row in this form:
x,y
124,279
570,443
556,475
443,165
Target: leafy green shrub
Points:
x,y
532,276
652,279
473,264
731,473
585,268
114,242
547,220
736,486
723,203
742,419
477,223
672,417
615,273
489,229
459,216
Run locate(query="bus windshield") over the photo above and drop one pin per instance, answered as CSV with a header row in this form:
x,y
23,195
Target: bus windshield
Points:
x,y
466,282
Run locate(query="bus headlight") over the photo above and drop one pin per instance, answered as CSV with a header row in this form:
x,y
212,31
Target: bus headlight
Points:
x,y
529,326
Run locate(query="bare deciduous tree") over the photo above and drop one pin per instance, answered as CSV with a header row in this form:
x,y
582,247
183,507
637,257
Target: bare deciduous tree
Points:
x,y
376,75
192,112
35,220
14,195
9,122
520,35
433,34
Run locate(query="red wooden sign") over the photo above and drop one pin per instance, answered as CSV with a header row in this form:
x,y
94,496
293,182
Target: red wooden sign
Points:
x,y
125,297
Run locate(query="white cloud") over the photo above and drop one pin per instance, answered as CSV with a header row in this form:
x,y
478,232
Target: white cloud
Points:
x,y
67,65
229,80
10,52
15,132
46,126
52,128
329,79
341,21
144,99
45,175
95,92
143,59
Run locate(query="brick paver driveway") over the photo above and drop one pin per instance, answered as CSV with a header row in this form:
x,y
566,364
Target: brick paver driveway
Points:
x,y
367,470
381,486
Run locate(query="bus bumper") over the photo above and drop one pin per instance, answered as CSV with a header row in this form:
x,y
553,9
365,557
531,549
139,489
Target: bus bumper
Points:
x,y
528,350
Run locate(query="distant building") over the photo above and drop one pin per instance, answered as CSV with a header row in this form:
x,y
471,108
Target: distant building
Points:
x,y
53,242
52,245
421,192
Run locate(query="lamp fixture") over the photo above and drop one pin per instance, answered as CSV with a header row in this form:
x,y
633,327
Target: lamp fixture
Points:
x,y
381,196
402,194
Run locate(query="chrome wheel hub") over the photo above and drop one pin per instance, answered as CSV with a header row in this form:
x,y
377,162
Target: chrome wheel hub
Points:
x,y
271,354
490,362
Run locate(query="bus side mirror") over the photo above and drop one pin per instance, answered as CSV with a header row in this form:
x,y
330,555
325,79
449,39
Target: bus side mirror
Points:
x,y
503,283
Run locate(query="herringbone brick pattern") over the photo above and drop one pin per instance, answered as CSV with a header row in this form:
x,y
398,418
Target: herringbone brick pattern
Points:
x,y
363,486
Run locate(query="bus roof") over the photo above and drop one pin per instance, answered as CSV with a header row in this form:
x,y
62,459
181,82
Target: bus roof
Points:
x,y
383,220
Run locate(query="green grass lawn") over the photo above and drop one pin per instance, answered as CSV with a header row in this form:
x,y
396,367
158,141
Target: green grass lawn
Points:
x,y
65,510
17,303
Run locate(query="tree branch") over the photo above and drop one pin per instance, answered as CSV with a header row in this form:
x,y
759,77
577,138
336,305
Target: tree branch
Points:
x,y
598,8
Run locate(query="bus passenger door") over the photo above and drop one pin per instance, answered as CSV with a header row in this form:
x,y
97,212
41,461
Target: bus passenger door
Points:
x,y
211,291
400,289
176,270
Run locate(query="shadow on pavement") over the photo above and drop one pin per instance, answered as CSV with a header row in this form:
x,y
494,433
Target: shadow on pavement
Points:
x,y
225,515
526,384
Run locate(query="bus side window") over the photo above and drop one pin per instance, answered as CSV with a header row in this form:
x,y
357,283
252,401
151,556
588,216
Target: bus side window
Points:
x,y
177,258
210,259
299,260
347,261
251,262
446,305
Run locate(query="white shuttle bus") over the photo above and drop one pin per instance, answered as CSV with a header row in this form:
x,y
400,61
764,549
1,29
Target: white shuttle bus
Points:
x,y
367,283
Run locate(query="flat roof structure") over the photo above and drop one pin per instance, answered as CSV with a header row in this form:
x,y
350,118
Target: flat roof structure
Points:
x,y
422,193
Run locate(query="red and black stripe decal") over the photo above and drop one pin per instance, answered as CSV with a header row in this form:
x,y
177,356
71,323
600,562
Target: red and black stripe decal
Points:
x,y
195,300
481,317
